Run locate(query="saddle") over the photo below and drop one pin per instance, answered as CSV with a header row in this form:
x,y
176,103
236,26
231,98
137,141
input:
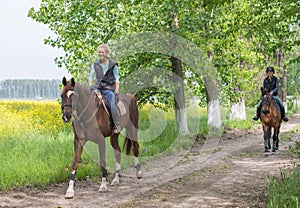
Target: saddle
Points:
x,y
121,109
277,104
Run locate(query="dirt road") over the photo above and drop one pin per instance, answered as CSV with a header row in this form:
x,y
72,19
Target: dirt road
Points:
x,y
232,174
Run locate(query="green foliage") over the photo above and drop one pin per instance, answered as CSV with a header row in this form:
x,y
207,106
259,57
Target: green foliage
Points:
x,y
241,36
284,191
293,74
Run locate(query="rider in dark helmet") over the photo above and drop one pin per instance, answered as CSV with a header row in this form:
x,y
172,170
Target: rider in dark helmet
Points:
x,y
271,83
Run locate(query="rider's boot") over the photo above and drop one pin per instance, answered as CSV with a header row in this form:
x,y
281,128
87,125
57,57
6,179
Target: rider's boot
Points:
x,y
284,118
257,114
116,121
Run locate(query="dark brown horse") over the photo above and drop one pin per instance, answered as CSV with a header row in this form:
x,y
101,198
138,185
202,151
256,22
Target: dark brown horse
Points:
x,y
92,122
270,118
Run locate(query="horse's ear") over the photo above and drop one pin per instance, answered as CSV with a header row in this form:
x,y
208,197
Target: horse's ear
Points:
x,y
72,82
64,81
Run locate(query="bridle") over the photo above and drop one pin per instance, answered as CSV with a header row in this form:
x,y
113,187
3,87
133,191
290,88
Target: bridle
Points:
x,y
63,105
266,101
74,111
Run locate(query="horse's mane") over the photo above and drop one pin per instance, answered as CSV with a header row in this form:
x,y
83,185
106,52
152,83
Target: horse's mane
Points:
x,y
81,89
264,91
84,96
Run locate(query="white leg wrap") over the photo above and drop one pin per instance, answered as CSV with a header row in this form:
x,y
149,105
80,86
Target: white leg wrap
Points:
x,y
103,186
116,179
118,166
70,191
136,161
139,173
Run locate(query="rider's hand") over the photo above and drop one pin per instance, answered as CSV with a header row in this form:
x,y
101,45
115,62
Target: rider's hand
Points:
x,y
271,93
92,88
116,98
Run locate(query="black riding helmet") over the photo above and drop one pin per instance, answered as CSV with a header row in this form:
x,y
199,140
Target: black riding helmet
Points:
x,y
270,68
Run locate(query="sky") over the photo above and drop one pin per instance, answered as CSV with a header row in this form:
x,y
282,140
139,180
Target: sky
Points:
x,y
23,54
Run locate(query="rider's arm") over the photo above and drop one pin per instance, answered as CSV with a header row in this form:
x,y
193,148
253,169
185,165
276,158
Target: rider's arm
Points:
x,y
92,75
275,90
117,79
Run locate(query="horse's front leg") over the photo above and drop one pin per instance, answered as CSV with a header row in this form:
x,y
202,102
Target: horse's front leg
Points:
x,y
266,138
117,153
275,139
78,147
269,137
102,151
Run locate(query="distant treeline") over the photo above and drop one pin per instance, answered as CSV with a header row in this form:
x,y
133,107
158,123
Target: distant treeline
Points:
x,y
29,88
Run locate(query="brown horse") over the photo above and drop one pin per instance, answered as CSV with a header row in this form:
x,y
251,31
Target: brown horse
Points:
x,y
92,123
270,118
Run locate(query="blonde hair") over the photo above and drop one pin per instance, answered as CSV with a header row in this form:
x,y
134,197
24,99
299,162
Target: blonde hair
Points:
x,y
105,47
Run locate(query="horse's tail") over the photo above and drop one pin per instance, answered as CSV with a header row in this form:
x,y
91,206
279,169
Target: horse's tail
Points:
x,y
127,144
132,128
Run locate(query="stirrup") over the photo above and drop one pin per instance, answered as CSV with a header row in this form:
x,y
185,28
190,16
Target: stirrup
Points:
x,y
117,129
285,119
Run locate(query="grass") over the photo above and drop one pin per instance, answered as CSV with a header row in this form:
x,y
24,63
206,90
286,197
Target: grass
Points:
x,y
37,148
33,161
284,192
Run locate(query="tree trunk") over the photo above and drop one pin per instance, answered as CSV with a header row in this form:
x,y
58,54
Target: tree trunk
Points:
x,y
284,88
238,110
179,98
213,104
279,55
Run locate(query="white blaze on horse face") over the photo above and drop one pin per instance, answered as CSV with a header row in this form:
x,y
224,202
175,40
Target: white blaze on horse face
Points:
x,y
69,93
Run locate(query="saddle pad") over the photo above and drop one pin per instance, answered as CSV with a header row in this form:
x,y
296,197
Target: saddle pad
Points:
x,y
121,108
277,103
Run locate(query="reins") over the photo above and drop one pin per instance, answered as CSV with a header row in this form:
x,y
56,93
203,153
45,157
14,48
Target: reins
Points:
x,y
99,95
84,110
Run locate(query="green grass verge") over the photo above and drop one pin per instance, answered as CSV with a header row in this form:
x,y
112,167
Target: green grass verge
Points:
x,y
284,192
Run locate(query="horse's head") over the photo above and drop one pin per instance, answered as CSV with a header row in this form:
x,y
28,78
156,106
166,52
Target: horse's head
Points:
x,y
66,99
266,99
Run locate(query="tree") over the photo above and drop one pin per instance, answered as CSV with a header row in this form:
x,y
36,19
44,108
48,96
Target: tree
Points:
x,y
82,25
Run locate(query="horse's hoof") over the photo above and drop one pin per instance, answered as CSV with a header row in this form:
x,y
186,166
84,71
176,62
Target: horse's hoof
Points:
x,y
139,174
69,195
102,189
116,180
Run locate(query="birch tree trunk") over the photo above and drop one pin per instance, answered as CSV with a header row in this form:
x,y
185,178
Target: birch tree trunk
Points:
x,y
179,98
238,110
213,103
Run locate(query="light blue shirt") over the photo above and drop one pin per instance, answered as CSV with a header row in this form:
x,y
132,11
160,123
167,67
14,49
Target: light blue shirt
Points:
x,y
105,69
